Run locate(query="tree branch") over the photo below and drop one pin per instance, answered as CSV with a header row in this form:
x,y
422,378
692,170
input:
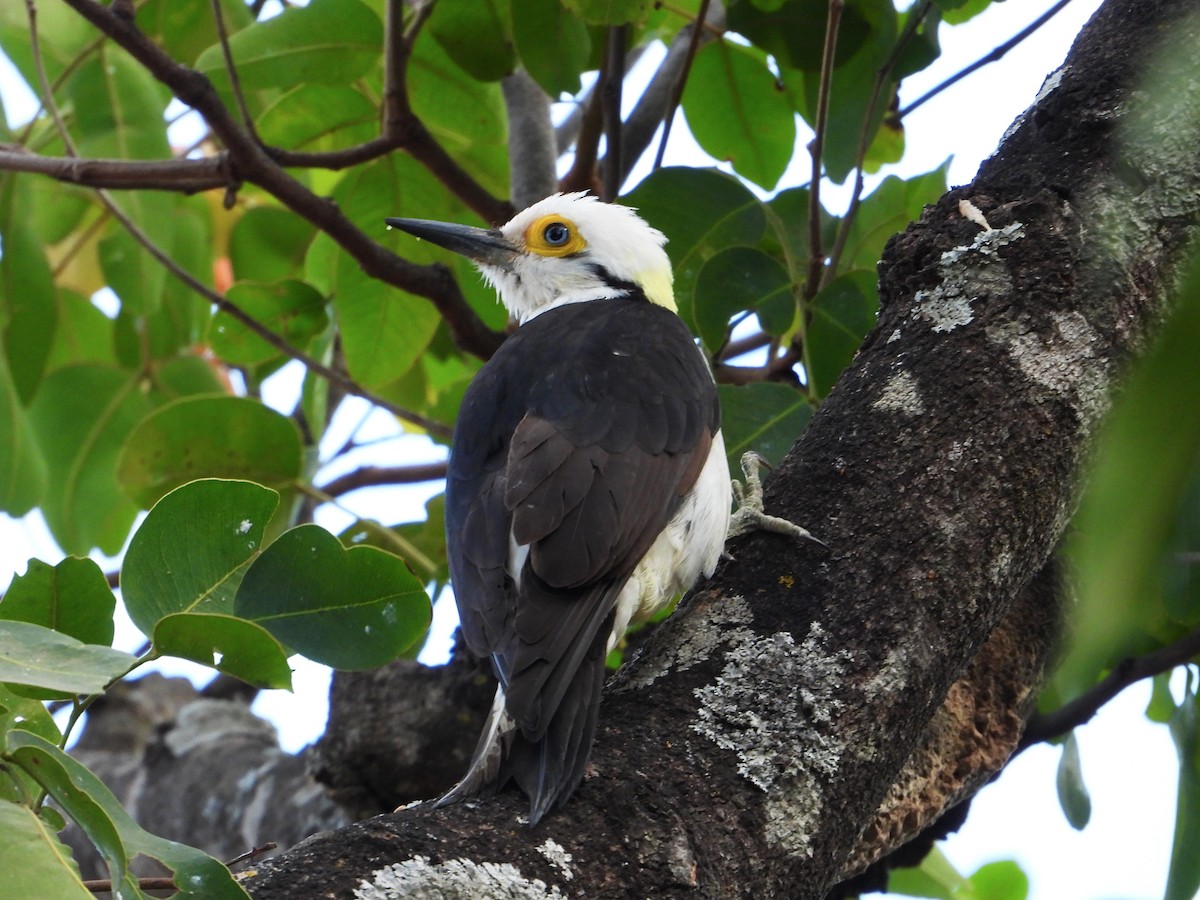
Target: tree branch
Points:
x,y
532,152
994,55
187,176
252,163
1047,726
373,476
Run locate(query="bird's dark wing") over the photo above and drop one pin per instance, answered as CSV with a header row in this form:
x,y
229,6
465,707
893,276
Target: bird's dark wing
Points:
x,y
579,439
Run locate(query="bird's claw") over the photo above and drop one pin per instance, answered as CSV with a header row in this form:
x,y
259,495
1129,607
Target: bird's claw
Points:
x,y
749,515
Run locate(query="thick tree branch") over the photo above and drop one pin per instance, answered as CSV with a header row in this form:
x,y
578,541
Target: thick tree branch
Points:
x,y
532,152
253,164
759,732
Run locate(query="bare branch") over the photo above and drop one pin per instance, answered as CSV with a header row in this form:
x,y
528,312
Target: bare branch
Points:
x,y
993,55
532,152
187,176
235,81
679,79
612,77
373,476
1080,710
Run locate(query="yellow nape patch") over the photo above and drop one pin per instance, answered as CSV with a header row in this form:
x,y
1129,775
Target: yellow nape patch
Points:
x,y
659,289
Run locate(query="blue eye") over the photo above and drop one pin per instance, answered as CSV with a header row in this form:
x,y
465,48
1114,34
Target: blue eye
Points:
x,y
556,234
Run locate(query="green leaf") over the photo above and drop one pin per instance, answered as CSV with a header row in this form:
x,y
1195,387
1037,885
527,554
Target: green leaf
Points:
x,y
955,12
477,36
887,210
22,467
610,12
183,28
794,31
1145,459
190,553
62,33
209,437
231,645
733,280
384,331
84,333
72,597
350,609
1072,792
81,417
269,243
1183,876
119,111
935,877
34,861
842,314
468,118
700,211
1002,880
1162,704
30,714
555,45
737,112
765,417
327,42
313,117
291,309
28,314
83,797
42,658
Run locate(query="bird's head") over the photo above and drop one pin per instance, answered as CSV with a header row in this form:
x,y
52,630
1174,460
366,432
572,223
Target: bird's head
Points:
x,y
564,249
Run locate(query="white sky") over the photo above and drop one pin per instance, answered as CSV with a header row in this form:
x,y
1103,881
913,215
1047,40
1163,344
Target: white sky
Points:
x,y
1129,764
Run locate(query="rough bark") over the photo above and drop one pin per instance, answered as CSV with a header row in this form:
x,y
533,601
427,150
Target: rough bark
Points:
x,y
746,749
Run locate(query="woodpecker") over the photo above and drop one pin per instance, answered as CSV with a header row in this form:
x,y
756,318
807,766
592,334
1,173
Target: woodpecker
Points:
x,y
587,484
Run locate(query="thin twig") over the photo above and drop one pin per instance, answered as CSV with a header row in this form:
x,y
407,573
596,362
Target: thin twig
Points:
x,y
1080,710
994,55
105,885
882,75
816,256
582,174
250,854
235,82
373,476
681,81
186,176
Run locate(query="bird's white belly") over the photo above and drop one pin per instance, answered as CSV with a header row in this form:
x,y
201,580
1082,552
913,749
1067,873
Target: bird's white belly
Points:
x,y
690,546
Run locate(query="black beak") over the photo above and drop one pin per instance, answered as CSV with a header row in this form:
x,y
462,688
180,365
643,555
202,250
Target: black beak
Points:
x,y
488,247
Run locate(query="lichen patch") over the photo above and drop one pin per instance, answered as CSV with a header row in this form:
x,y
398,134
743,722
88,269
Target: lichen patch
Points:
x,y
968,274
456,879
901,394
773,705
694,641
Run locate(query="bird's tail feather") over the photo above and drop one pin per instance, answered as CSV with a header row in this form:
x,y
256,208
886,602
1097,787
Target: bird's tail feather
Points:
x,y
549,770
483,774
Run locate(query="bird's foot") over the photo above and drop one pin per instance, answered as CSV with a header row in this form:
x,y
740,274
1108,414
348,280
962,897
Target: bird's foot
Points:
x,y
749,515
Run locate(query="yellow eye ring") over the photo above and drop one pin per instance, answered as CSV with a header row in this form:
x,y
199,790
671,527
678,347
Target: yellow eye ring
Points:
x,y
553,236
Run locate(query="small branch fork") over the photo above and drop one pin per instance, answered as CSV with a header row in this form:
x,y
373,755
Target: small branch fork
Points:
x,y
245,159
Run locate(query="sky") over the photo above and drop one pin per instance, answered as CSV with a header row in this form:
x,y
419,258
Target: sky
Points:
x,y
1128,763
